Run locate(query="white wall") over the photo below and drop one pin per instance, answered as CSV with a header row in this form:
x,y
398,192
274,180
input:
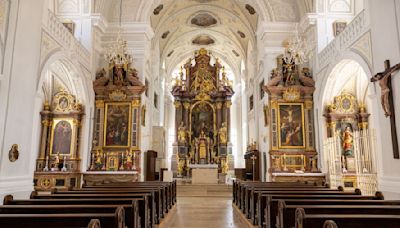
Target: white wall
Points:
x,y
18,96
386,45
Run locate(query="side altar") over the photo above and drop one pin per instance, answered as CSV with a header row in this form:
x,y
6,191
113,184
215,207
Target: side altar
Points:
x,y
202,100
115,154
292,143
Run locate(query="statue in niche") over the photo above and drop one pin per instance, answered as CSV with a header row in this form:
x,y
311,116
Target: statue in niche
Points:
x,y
202,145
182,133
119,75
223,133
290,75
347,138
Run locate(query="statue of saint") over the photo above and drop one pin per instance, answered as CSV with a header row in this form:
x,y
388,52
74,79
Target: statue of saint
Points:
x,y
129,160
347,137
223,133
182,133
202,145
98,163
57,160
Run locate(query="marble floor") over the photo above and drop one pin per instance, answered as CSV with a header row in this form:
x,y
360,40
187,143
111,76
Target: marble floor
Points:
x,y
204,212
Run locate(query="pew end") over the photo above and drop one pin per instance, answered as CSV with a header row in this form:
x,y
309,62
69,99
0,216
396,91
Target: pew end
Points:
x,y
340,188
94,223
330,224
33,195
7,199
379,195
357,191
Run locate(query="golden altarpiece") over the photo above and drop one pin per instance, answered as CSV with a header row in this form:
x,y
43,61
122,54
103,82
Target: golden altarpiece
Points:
x,y
292,147
202,116
115,154
58,163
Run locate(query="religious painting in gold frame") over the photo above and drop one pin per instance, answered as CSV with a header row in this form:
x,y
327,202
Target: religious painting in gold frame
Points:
x,y
117,124
291,125
62,133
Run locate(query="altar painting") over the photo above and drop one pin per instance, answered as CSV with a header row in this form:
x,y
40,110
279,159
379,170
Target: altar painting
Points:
x,y
291,125
61,137
202,119
117,125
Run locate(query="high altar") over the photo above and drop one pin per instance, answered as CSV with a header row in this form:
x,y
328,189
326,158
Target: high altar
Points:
x,y
292,146
115,154
202,100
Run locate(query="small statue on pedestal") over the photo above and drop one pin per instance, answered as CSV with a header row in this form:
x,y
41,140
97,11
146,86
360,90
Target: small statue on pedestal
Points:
x,y
223,132
182,133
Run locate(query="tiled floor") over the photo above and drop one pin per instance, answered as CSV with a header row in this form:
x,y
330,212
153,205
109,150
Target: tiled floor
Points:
x,y
203,212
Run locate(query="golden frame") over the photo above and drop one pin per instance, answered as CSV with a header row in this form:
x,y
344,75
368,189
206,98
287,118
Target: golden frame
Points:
x,y
129,123
73,133
285,157
302,126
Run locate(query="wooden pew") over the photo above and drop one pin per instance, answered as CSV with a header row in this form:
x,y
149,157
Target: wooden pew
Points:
x,y
171,186
143,205
63,220
252,195
286,213
267,205
131,211
159,194
94,223
304,220
251,212
151,199
241,188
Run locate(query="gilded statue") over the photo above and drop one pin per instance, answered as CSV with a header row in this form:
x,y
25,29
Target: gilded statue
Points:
x,y
347,137
223,133
182,133
202,145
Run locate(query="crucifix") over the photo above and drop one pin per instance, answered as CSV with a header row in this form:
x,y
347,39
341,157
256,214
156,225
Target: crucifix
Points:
x,y
385,82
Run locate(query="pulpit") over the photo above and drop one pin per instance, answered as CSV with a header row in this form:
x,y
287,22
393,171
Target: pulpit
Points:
x,y
202,96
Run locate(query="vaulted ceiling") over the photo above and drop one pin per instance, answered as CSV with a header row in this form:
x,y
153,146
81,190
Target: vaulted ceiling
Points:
x,y
226,27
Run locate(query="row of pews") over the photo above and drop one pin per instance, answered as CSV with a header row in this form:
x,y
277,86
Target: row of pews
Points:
x,y
114,205
303,205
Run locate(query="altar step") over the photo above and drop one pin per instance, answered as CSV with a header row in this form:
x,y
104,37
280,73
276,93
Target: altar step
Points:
x,y
204,190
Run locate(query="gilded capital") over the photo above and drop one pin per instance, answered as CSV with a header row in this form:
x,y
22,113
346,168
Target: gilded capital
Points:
x,y
76,122
308,104
363,125
186,105
99,104
177,104
218,105
46,123
332,125
136,103
274,104
228,104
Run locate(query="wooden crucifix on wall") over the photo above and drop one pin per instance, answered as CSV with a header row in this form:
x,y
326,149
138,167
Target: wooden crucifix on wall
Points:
x,y
385,82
